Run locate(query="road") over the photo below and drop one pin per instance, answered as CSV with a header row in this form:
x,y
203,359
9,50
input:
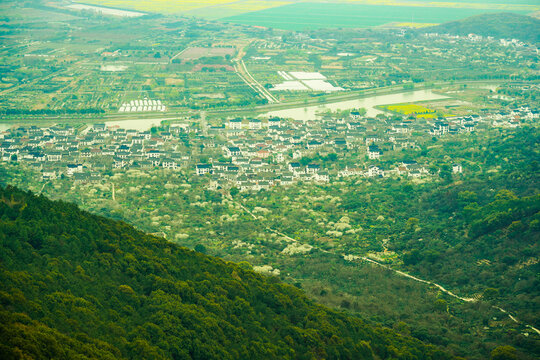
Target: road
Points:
x,y
242,71
180,53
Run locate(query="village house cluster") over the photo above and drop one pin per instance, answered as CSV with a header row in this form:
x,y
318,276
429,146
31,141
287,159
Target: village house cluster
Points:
x,y
258,154
249,153
84,156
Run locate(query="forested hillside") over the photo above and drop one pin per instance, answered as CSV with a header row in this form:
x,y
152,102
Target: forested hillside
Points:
x,y
500,26
75,285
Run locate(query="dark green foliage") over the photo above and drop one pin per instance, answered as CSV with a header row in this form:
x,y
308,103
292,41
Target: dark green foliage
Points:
x,y
75,285
500,26
504,353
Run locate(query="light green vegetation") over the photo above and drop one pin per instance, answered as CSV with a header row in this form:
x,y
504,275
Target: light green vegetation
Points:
x,y
395,220
473,232
160,301
60,68
304,15
219,9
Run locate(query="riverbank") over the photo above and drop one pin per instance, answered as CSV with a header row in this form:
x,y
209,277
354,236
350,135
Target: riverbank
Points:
x,y
330,101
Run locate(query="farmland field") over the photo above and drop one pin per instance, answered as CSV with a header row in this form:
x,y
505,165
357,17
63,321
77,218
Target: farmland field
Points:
x,y
199,52
408,109
306,15
161,6
210,9
419,111
508,2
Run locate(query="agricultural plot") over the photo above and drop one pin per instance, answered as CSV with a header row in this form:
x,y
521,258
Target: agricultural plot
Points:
x,y
234,8
219,9
113,68
195,53
144,105
416,110
489,2
409,109
209,9
304,81
30,15
158,6
312,15
106,11
290,86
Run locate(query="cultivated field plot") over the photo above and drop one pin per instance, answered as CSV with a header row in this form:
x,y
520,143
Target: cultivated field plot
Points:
x,y
409,109
144,105
234,8
106,11
210,9
312,15
158,6
303,81
416,110
194,53
30,15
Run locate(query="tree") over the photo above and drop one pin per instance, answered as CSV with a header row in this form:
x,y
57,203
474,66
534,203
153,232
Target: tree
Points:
x,y
490,294
200,248
505,195
504,352
446,173
412,223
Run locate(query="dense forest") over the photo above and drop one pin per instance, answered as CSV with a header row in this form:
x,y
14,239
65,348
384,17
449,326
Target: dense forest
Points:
x,y
75,285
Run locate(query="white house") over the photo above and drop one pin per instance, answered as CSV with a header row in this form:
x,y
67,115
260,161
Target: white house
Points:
x,y
373,152
374,171
235,124
202,169
73,168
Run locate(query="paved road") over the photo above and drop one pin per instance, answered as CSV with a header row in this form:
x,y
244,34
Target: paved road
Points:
x,y
243,72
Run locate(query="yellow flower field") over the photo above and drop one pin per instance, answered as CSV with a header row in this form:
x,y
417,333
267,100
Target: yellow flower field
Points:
x,y
161,6
207,8
415,25
419,111
408,109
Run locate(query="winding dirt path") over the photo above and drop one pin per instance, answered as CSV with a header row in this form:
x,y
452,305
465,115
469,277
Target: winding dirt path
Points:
x,y
401,273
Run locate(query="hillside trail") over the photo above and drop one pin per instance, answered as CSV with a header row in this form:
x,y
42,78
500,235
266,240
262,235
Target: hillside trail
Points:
x,y
401,273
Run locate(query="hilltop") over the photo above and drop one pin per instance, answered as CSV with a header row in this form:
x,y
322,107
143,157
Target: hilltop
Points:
x,y
498,25
75,285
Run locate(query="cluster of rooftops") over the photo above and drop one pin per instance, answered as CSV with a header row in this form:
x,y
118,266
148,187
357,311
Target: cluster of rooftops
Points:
x,y
250,154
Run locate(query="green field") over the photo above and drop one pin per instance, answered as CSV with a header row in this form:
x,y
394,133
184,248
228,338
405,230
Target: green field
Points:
x,y
489,2
302,16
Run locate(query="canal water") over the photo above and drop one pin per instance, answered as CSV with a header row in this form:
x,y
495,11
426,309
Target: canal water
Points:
x,y
298,113
368,103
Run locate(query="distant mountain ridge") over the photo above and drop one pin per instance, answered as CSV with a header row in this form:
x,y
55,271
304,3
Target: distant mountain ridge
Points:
x,y
78,286
498,25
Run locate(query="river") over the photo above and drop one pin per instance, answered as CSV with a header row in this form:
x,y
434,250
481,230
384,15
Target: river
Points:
x,y
369,103
299,113
137,124
4,127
